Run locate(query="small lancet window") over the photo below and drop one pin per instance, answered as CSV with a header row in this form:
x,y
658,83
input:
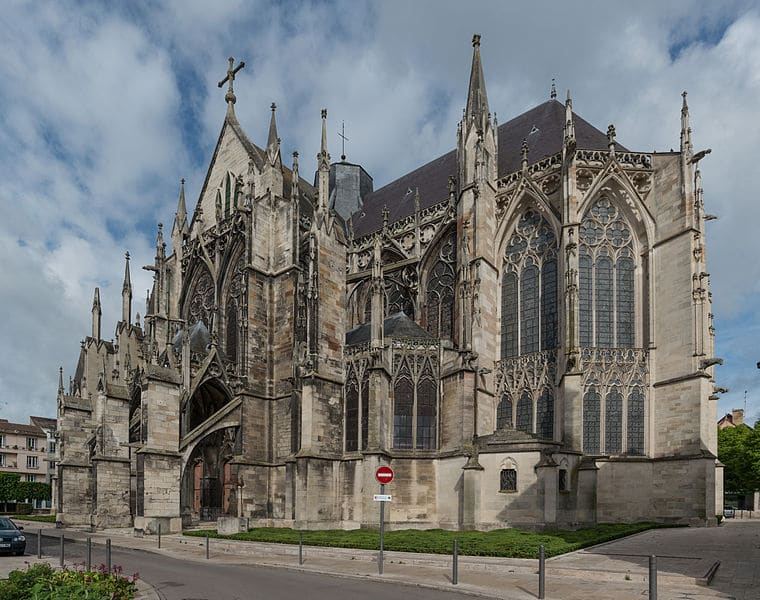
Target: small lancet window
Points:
x,y
508,480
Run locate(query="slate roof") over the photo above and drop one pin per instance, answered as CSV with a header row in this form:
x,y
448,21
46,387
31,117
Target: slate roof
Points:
x,y
541,126
33,430
397,325
44,422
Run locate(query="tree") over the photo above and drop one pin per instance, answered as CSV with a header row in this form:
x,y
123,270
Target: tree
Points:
x,y
739,451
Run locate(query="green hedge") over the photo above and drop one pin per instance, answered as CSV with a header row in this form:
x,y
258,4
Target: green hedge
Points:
x,y
41,582
12,489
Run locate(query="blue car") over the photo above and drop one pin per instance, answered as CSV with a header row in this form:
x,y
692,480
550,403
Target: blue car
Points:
x,y
12,539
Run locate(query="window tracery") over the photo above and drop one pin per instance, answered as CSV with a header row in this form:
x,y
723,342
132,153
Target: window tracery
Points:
x,y
201,299
415,399
504,412
606,273
530,379
352,411
529,288
439,295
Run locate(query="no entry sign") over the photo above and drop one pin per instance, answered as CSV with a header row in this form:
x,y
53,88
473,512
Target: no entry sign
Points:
x,y
384,474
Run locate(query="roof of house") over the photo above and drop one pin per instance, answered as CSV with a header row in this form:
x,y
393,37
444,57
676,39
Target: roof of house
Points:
x,y
543,129
44,422
33,430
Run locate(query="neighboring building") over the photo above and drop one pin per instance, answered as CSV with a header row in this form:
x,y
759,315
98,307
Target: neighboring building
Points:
x,y
24,450
732,419
521,328
49,427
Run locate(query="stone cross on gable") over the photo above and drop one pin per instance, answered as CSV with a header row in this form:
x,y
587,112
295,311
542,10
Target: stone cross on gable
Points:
x,y
230,95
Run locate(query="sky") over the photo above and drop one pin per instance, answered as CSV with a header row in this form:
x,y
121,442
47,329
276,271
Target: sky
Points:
x,y
104,107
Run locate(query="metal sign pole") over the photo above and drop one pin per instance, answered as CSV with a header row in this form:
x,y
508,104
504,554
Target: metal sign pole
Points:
x,y
382,531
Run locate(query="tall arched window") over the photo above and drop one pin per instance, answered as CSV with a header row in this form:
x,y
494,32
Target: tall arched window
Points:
x,y
524,415
365,408
504,412
636,421
545,414
613,422
415,401
591,419
426,413
231,327
606,273
352,411
529,288
439,298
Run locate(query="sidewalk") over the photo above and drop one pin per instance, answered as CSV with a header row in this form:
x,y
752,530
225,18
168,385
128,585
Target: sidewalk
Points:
x,y
616,570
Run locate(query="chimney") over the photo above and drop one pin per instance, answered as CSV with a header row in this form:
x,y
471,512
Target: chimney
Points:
x,y
737,416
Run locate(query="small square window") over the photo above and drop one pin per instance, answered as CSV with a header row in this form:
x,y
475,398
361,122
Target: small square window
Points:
x,y
508,480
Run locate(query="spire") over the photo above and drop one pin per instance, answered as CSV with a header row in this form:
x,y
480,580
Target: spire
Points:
x,y
294,191
180,217
685,128
477,99
96,314
569,122
126,293
273,142
553,93
60,380
524,155
323,160
323,156
160,244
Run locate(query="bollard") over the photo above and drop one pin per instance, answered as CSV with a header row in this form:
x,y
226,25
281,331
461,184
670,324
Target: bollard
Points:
x,y
207,546
89,553
300,547
455,564
39,543
61,549
159,535
653,577
541,572
108,555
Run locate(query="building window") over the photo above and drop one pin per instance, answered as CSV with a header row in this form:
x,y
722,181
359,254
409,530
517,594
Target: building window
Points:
x,y
545,416
31,443
504,412
415,402
525,412
563,480
2,440
352,412
231,327
440,290
636,421
32,462
606,274
591,418
51,446
365,408
30,477
508,480
2,460
529,302
613,422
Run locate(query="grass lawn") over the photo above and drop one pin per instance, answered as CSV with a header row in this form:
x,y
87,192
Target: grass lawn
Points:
x,y
515,543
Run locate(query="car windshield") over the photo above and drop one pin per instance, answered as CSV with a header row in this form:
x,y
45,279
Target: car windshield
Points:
x,y
6,523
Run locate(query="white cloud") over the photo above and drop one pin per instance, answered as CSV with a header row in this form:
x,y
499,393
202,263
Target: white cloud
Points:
x,y
102,113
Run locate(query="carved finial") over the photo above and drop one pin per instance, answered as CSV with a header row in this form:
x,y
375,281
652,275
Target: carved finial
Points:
x,y
524,154
229,97
685,128
385,217
553,93
60,380
476,40
611,138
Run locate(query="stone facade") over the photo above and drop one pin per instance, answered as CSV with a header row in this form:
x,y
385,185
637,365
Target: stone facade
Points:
x,y
520,328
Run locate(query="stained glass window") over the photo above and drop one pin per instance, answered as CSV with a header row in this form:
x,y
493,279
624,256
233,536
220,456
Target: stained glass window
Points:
x,y
508,480
352,412
525,412
440,291
504,412
403,407
549,305
529,281
529,310
606,298
613,422
509,315
563,480
636,421
591,419
545,414
231,327
426,414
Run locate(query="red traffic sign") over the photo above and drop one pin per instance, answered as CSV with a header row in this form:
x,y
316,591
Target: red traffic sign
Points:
x,y
384,474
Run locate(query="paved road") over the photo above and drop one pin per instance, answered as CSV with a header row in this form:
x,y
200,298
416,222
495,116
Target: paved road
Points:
x,y
192,580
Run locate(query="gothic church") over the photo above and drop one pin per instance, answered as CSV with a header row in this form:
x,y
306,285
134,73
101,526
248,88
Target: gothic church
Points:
x,y
520,328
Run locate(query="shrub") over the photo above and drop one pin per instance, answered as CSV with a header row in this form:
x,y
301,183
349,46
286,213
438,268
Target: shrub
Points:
x,y
41,582
23,508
